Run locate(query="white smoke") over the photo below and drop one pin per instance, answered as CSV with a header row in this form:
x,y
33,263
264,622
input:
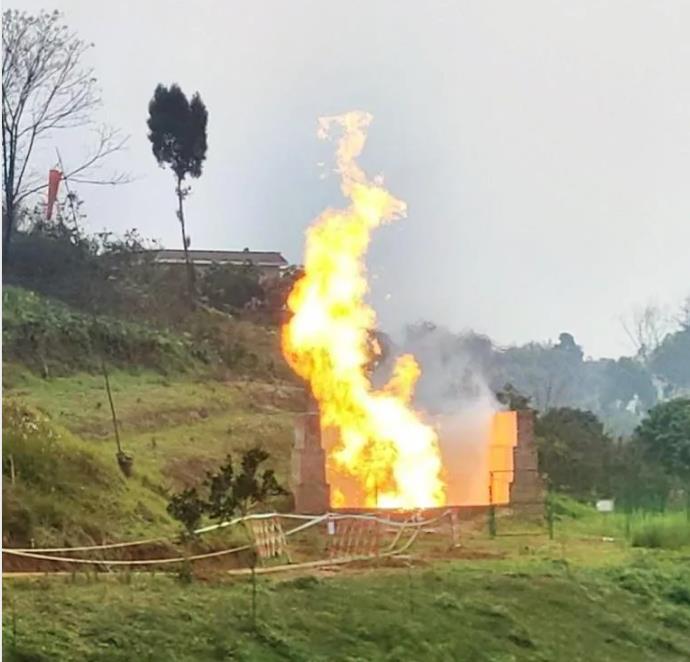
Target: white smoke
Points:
x,y
454,394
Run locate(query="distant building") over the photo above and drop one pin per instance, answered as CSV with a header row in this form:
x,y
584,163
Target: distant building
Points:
x,y
269,263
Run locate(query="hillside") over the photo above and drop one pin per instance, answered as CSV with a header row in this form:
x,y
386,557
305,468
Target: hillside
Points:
x,y
181,411
178,414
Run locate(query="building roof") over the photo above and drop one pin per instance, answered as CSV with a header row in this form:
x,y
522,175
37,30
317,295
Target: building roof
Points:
x,y
258,258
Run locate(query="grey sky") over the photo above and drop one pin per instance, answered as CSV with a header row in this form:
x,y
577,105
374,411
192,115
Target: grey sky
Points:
x,y
543,147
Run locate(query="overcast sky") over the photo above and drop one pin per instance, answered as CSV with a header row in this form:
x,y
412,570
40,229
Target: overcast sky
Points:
x,y
543,147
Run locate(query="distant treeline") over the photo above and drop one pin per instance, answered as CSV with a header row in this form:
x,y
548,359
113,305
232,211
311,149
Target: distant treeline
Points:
x,y
105,274
552,375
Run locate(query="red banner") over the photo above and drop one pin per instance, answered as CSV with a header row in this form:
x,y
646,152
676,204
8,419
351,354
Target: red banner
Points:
x,y
54,177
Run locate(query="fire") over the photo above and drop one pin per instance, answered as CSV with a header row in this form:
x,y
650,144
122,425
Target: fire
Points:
x,y
382,446
503,441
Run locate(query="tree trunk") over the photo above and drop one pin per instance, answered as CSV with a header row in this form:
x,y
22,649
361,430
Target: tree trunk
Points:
x,y
7,227
191,277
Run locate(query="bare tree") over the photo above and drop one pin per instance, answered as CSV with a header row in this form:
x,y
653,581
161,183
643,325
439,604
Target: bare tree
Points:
x,y
45,87
683,316
646,328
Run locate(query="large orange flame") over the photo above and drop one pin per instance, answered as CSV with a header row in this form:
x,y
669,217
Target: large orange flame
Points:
x,y
382,444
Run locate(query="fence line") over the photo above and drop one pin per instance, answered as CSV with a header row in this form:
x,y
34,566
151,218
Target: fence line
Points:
x,y
177,559
205,529
311,521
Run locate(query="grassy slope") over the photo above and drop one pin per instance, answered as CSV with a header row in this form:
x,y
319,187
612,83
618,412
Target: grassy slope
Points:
x,y
177,421
65,489
491,610
175,428
164,418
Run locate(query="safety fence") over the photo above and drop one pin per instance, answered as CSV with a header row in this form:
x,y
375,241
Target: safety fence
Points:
x,y
351,537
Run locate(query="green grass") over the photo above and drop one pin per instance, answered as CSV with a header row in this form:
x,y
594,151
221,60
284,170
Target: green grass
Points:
x,y
59,489
163,420
671,531
176,429
479,611
668,529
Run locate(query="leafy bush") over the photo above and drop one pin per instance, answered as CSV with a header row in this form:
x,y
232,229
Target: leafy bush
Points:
x,y
47,335
229,287
186,507
574,452
227,491
664,437
679,593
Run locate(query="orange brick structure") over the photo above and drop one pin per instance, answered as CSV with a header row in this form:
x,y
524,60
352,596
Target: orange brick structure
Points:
x,y
527,485
513,468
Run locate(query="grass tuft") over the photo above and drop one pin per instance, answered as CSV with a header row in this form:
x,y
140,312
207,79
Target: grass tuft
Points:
x,y
669,532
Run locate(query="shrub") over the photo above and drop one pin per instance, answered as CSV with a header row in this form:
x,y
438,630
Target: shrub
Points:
x,y
227,492
48,336
231,287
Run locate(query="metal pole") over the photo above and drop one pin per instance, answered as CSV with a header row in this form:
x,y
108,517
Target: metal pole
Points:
x,y
492,508
549,514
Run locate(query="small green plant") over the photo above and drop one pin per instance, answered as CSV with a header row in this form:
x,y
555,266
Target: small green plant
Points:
x,y
447,601
227,491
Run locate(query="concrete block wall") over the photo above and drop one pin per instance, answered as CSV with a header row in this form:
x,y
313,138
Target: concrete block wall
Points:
x,y
312,492
308,477
527,485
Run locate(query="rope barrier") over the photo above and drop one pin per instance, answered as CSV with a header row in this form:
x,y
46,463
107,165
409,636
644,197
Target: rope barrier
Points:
x,y
237,520
134,562
207,529
149,541
390,522
312,521
85,548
